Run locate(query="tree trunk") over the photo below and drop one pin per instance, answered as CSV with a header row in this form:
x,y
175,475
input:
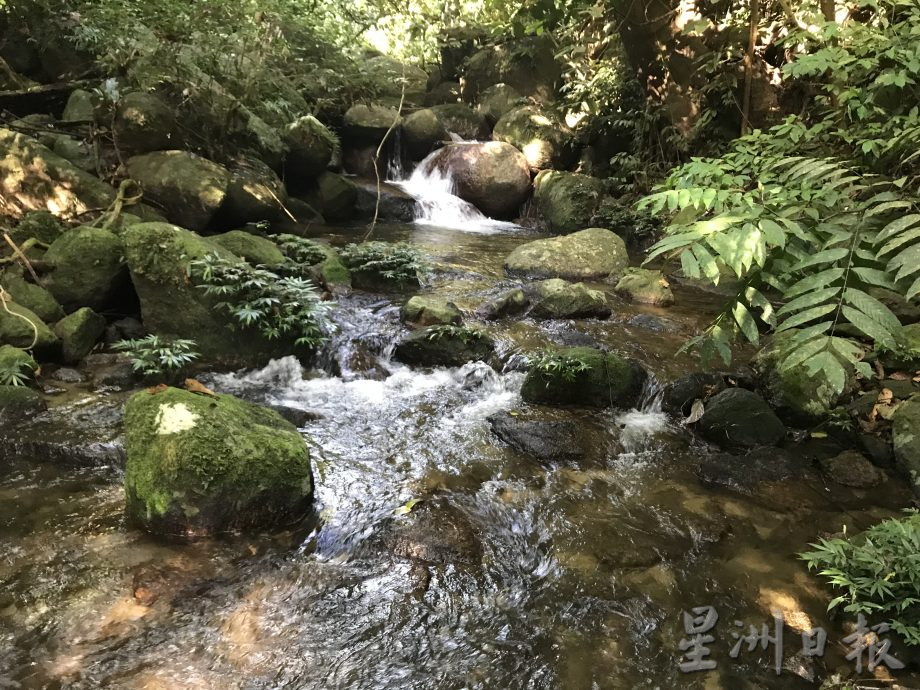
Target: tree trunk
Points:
x,y
829,10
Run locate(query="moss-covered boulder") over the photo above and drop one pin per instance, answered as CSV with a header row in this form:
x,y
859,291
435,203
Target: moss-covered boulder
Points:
x,y
17,360
80,107
423,132
30,295
21,327
907,353
34,178
567,201
460,119
497,100
190,189
594,254
77,151
255,193
88,269
339,196
645,286
393,78
331,272
446,346
255,250
431,310
559,299
144,123
79,333
40,225
739,418
528,65
310,147
584,376
368,124
906,439
508,303
540,135
19,402
200,465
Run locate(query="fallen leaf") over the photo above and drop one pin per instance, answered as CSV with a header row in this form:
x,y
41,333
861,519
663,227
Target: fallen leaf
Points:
x,y
899,376
696,411
818,434
406,508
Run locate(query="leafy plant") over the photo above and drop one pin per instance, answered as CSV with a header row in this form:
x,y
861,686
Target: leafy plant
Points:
x,y
155,355
259,298
464,334
398,261
300,250
878,571
556,364
15,373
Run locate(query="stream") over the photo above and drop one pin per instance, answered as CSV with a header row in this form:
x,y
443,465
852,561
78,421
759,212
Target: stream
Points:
x,y
573,575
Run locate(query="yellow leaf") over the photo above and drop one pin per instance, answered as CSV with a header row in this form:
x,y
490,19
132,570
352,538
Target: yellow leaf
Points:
x,y
406,508
819,434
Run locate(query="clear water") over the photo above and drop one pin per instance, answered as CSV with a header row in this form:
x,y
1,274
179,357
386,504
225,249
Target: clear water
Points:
x,y
565,576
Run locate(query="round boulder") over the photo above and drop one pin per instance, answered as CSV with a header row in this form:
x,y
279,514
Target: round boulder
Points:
x,y
543,138
460,119
594,254
739,418
368,124
497,100
310,147
88,269
144,123
423,132
558,299
644,286
568,201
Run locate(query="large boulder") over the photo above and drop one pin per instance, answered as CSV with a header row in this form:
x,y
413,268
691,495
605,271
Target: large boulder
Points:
x,y
188,188
644,286
144,123
739,418
79,332
34,178
543,138
906,439
339,196
200,465
393,78
493,176
21,328
310,147
497,100
255,193
255,250
558,299
445,92
88,269
80,107
368,124
431,310
423,132
450,346
462,120
30,295
594,254
585,376
528,65
568,201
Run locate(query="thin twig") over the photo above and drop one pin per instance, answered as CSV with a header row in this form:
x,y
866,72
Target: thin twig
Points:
x,y
402,99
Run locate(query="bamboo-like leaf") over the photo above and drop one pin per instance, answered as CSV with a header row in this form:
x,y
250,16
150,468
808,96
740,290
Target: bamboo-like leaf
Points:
x,y
913,290
899,240
805,316
746,323
833,371
874,276
773,232
815,281
898,226
799,354
707,263
809,299
825,256
689,264
872,308
868,326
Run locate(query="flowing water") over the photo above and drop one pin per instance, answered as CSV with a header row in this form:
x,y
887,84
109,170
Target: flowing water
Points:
x,y
507,573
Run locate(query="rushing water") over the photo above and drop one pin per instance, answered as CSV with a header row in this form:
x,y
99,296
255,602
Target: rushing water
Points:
x,y
535,575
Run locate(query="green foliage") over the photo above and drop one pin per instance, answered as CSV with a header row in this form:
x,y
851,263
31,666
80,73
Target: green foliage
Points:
x,y
398,261
464,334
15,373
259,298
878,572
556,364
300,250
154,355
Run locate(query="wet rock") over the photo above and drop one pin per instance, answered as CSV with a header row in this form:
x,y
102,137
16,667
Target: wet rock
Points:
x,y
594,254
199,465
645,287
14,359
528,65
493,176
31,296
127,328
110,371
367,125
748,473
255,250
568,201
339,196
88,269
678,396
497,100
190,189
508,303
21,327
906,440
586,376
543,138
423,132
34,178
738,418
542,439
18,402
310,147
460,119
296,416
650,322
144,123
558,299
450,346
79,333
852,468
431,310
434,532
67,375
255,193
395,204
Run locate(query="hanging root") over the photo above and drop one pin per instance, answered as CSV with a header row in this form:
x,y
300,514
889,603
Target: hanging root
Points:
x,y
112,213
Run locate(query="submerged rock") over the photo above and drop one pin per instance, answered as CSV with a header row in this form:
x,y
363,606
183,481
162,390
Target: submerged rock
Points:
x,y
594,254
739,418
79,333
678,396
645,287
539,437
852,468
508,303
18,402
200,465
585,376
558,299
748,473
434,532
568,201
542,137
88,269
906,439
448,346
431,310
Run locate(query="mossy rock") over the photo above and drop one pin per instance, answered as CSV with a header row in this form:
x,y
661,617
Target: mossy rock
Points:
x,y
431,310
79,333
145,123
568,201
367,125
339,196
30,295
907,355
81,107
89,269
77,151
906,440
739,418
253,249
608,380
446,347
332,272
423,131
199,465
15,330
310,147
540,135
527,64
460,119
19,402
497,100
645,286
558,299
41,225
255,194
389,75
16,359
594,254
